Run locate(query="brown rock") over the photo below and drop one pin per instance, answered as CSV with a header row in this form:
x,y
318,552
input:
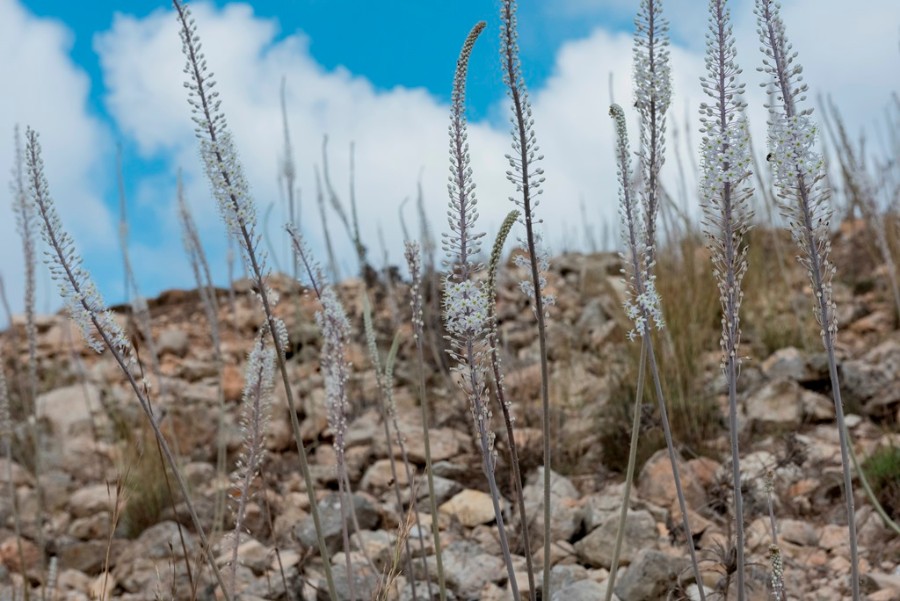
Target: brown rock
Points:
x,y
379,476
470,507
657,484
9,555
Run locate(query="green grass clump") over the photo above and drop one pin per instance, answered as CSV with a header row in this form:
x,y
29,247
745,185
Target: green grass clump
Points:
x,y
882,469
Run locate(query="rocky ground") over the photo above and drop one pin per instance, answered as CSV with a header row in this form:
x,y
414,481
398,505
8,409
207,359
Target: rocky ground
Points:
x,y
92,427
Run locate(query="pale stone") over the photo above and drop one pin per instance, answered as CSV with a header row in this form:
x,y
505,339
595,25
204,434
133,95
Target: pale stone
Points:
x,y
471,507
640,533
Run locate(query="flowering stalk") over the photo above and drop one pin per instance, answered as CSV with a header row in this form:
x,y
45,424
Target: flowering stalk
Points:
x,y
643,307
414,261
87,310
384,379
335,328
798,172
465,301
288,170
255,409
502,401
527,179
239,213
653,92
26,225
725,192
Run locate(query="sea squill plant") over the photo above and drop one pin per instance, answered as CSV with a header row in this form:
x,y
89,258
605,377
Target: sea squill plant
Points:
x,y
798,173
653,93
465,300
527,177
642,306
725,193
335,329
384,377
414,262
500,389
351,223
26,225
256,404
225,173
87,310
140,312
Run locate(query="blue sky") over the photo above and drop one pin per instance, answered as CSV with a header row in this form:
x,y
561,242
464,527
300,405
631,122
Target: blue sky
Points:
x,y
92,75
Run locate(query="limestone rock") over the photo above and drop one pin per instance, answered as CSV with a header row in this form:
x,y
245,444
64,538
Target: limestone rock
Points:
x,y
597,547
331,521
471,507
650,576
565,512
656,483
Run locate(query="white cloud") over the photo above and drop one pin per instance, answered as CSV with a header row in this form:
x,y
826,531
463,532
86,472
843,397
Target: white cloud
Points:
x,y
43,89
397,132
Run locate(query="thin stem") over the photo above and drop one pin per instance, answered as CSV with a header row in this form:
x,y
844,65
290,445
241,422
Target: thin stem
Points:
x,y
774,38
426,419
673,459
524,160
488,466
629,472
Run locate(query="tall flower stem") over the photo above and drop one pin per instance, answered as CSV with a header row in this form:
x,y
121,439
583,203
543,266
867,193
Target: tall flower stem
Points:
x,y
798,175
643,308
389,417
527,180
86,308
653,92
502,401
629,471
725,194
414,261
223,170
465,301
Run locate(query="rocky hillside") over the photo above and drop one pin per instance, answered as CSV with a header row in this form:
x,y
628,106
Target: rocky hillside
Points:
x,y
106,501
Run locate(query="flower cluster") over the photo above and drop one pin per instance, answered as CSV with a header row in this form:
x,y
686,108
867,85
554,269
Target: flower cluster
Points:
x,y
644,309
466,308
724,185
25,224
526,285
82,299
643,305
651,69
462,243
653,95
777,571
414,262
798,168
217,148
259,374
792,143
335,328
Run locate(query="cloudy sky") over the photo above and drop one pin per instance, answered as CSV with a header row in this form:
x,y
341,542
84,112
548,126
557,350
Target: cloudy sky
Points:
x,y
90,76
